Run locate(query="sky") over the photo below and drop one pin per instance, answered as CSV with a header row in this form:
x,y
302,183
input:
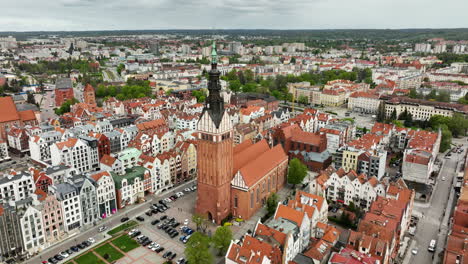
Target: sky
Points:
x,y
80,15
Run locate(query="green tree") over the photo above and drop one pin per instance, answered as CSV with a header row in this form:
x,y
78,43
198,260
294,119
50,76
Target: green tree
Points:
x,y
200,95
235,85
222,239
297,171
413,94
303,100
394,115
458,125
199,220
381,112
197,249
169,92
272,203
120,68
446,140
66,106
293,60
409,120
249,87
30,98
443,96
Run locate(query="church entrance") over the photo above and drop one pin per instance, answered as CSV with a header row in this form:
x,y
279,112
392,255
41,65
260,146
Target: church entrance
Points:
x,y
210,217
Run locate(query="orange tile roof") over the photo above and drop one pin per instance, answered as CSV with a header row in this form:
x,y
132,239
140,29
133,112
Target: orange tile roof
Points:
x,y
306,137
244,153
69,143
263,230
27,115
41,195
289,213
9,112
253,251
257,168
99,175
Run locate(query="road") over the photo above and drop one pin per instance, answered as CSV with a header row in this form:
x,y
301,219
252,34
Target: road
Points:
x,y
47,106
432,214
113,221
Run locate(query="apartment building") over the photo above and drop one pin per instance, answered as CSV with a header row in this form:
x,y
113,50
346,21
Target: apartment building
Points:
x,y
105,194
69,198
16,186
364,102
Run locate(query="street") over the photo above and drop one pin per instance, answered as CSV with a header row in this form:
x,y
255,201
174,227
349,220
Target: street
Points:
x,y
47,105
113,221
432,214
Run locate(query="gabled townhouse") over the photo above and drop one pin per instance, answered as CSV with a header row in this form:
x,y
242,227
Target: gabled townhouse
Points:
x,y
16,186
86,188
348,255
105,194
52,217
4,154
11,240
42,181
296,223
252,250
250,113
39,146
127,134
60,173
322,242
78,153
32,228
131,186
280,116
69,198
18,140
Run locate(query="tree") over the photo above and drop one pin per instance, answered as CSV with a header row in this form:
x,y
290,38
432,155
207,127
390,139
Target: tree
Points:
x,y
222,239
413,94
303,100
381,112
197,249
120,68
458,125
66,106
272,203
409,120
169,92
394,114
235,85
200,95
446,141
293,60
30,98
297,171
199,220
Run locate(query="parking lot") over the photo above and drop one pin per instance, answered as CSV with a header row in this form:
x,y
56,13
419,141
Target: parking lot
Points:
x,y
181,210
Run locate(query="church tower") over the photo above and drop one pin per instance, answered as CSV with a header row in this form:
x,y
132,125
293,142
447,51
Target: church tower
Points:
x,y
89,96
214,152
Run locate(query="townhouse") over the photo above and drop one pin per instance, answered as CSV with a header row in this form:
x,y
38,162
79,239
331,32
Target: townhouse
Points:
x,y
52,217
131,186
78,153
69,198
16,186
86,188
251,250
105,194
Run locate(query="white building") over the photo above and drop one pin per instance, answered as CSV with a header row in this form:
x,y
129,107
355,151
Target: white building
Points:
x,y
32,228
16,186
364,102
78,153
69,199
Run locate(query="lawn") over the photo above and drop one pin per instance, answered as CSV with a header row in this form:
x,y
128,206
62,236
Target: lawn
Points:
x,y
89,258
125,243
122,227
108,251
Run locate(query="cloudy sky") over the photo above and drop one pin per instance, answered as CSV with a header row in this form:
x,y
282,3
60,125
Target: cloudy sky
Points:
x,y
34,15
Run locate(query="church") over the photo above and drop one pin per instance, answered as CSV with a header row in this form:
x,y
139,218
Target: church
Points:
x,y
232,181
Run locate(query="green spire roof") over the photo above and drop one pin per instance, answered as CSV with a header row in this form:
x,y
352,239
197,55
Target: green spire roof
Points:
x,y
214,54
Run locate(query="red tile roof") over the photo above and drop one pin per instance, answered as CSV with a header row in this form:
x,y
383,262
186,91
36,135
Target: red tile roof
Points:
x,y
9,112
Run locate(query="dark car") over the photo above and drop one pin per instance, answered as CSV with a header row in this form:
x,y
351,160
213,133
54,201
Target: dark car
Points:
x,y
124,219
165,227
75,249
137,233
173,234
162,202
154,222
163,217
147,242
172,256
81,246
140,218
176,224
167,254
52,260
58,257
160,249
149,213
155,211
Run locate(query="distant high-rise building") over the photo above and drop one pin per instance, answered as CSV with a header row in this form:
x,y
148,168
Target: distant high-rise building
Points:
x,y
440,48
422,47
154,47
206,51
8,43
186,49
236,47
458,49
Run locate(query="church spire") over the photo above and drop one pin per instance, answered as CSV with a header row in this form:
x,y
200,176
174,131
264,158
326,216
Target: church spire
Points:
x,y
214,103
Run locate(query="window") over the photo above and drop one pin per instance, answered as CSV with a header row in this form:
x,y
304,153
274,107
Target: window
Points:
x,y
235,201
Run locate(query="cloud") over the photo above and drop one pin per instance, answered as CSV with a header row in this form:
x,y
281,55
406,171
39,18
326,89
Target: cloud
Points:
x,y
192,14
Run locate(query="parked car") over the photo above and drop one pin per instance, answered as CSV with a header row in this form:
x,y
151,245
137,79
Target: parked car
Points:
x,y
186,222
75,248
124,219
163,217
102,228
64,254
160,249
154,222
91,240
167,254
140,218
149,213
172,256
52,260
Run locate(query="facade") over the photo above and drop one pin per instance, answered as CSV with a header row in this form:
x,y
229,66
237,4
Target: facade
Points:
x,y
52,217
214,153
69,198
11,240
16,186
258,172
63,91
89,95
105,192
88,198
78,153
364,102
421,109
32,228
11,117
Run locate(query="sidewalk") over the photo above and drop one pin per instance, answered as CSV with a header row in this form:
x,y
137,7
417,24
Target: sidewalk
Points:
x,y
250,224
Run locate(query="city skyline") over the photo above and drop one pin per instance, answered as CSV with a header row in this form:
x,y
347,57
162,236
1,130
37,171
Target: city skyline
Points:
x,y
78,15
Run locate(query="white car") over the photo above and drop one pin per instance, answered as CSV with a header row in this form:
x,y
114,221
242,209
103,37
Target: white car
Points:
x,y
414,251
64,254
168,200
443,178
91,240
185,222
187,190
133,231
102,228
180,194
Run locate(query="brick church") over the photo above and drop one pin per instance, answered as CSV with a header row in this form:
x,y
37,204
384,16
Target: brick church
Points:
x,y
232,181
